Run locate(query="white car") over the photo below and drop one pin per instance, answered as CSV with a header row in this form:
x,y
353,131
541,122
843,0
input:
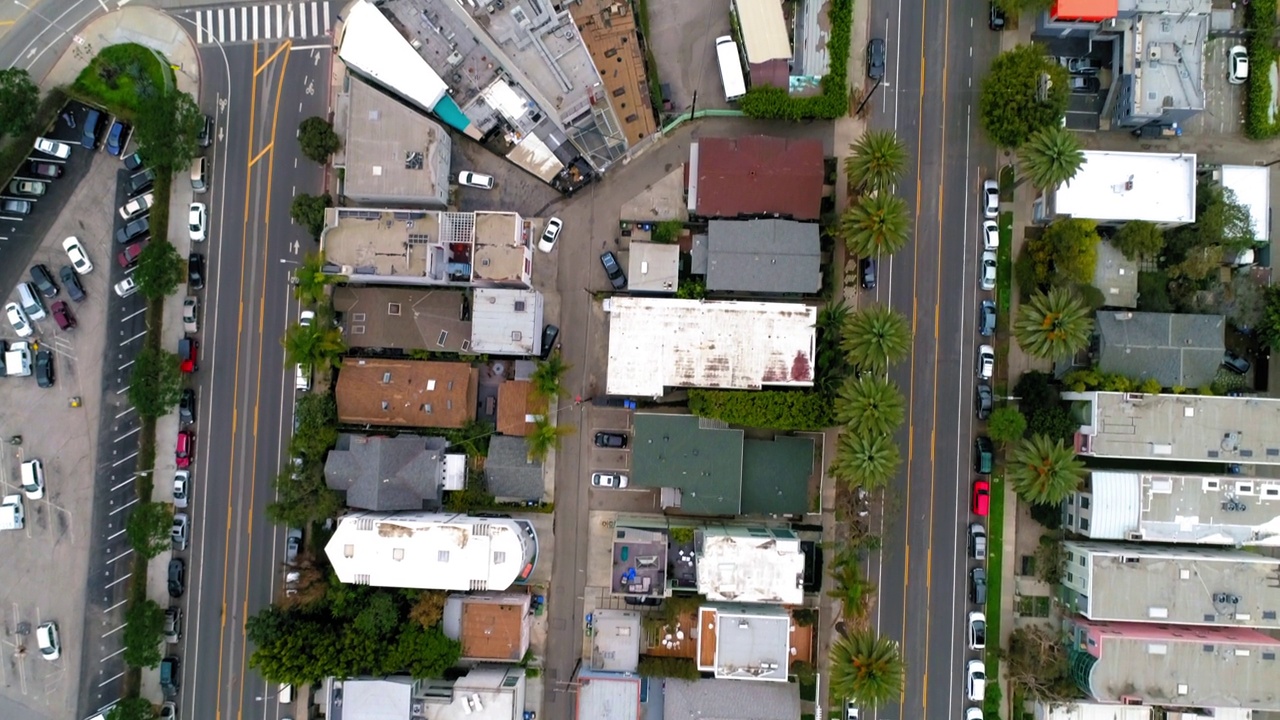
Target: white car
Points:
x,y
126,287
990,235
47,640
977,631
986,362
976,680
1238,64
181,488
549,236
306,318
137,206
53,147
190,313
973,713
78,257
18,319
850,710
608,480
198,222
33,479
990,199
987,271
475,180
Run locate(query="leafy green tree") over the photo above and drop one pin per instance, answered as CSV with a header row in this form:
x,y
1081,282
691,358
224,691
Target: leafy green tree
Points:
x,y
877,161
160,270
167,130
1051,156
317,415
546,377
155,385
1039,665
143,630
1035,389
311,280
1044,471
316,345
308,211
866,461
426,652
667,231
1269,329
378,616
1054,422
867,667
1011,106
875,224
870,404
1054,325
680,668
428,610
303,497
771,409
318,140
545,437
19,98
851,586
876,337
1006,425
1073,248
148,529
1221,222
691,289
132,708
1139,239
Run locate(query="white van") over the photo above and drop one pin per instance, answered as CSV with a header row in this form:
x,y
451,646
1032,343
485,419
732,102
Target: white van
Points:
x,y
286,693
33,479
30,301
199,174
735,85
302,377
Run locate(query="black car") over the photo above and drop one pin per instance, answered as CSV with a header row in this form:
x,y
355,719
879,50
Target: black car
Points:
x,y
867,273
987,318
617,278
16,207
611,440
995,20
187,406
984,403
44,169
177,577
978,586
133,230
90,138
875,59
44,281
984,455
132,161
72,281
140,181
1085,84
1235,363
649,601
44,369
549,335
205,138
195,270
170,672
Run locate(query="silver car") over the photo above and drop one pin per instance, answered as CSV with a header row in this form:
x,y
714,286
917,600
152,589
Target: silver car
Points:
x,y
987,271
608,480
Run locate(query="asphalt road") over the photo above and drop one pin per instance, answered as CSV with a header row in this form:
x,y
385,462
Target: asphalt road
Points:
x,y
938,52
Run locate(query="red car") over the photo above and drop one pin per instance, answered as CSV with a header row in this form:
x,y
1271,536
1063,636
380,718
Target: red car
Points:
x,y
62,315
186,447
981,497
128,257
188,354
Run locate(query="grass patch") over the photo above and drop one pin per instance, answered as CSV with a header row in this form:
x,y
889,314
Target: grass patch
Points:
x,y
18,147
122,76
1004,270
1007,180
995,564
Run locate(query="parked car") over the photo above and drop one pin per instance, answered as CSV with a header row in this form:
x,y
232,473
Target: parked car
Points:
x,y
875,58
976,680
195,270
198,222
126,287
850,710
177,577
608,480
205,139
292,544
14,206
137,206
987,318
43,279
172,624
188,355
180,531
44,369
48,642
184,449
170,670
986,364
60,150
72,281
116,138
18,319
31,477
981,498
62,315
977,541
978,586
190,313
187,406
977,631
133,230
550,235
306,317
984,455
77,255
550,333
990,235
617,278
181,488
141,180
648,601
475,180
132,161
1238,62
611,440
89,130
128,257
867,273
990,199
987,276
33,188
1235,363
995,18
985,401
1085,84
44,169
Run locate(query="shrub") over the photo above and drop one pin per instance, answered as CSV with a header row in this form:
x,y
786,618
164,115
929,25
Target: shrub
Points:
x,y
772,409
833,102
318,140
1260,22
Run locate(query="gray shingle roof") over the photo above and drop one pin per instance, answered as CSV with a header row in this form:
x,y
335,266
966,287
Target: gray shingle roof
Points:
x,y
1175,349
388,473
509,473
763,256
730,700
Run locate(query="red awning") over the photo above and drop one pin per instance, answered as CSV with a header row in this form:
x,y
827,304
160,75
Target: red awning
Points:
x,y
1083,10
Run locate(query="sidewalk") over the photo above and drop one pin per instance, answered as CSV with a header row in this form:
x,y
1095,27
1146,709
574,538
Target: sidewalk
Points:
x,y
146,26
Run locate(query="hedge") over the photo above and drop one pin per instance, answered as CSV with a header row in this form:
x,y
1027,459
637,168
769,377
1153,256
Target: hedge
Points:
x,y
771,409
1261,24
769,102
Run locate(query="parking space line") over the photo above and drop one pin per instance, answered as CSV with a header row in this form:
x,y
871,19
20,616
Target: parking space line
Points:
x,y
133,315
117,581
115,630
125,459
125,554
120,532
126,412
113,607
122,507
111,655
126,482
131,432
110,680
123,390
135,337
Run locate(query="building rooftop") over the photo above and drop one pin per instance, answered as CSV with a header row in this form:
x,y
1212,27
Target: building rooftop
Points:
x,y
432,551
609,30
763,256
751,565
656,343
406,393
1092,711
483,693
640,562
700,458
403,318
653,267
730,700
388,698
391,153
1161,664
742,643
612,695
506,321
755,176
1167,63
775,475
1252,187
1187,585
1116,276
764,30
1178,350
517,405
503,255
490,626
1193,428
1122,186
406,472
509,473
1200,509
615,641
372,46
1085,10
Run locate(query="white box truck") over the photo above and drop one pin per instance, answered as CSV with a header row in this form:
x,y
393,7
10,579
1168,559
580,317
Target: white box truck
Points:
x,y
735,84
12,513
17,360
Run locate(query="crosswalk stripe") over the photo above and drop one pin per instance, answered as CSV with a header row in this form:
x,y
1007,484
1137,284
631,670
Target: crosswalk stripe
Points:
x,y
289,14
268,21
280,22
326,17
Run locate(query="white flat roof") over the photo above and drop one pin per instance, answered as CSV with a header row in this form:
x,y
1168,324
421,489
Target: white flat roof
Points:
x,y
430,551
764,30
743,568
1092,711
372,46
1122,186
655,343
1252,186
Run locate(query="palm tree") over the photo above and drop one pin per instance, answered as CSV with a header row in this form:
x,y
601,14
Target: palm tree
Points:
x,y
318,345
877,162
310,280
866,461
867,667
544,437
875,338
870,405
875,224
1044,471
1051,157
851,587
832,364
546,377
1053,326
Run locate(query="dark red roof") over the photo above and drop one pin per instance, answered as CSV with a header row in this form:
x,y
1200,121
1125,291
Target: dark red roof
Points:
x,y
775,73
758,176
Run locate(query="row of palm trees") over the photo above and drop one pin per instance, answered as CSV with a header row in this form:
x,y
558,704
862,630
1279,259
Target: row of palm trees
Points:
x,y
877,223
318,345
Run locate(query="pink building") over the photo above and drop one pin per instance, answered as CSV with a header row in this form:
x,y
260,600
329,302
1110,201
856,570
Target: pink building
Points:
x,y
1183,665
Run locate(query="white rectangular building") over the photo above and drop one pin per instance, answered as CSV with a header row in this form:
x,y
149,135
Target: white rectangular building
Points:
x,y
1113,188
744,643
506,321
432,551
751,565
657,343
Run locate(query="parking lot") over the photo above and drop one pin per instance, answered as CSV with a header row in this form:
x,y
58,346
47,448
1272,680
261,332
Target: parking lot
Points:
x,y
682,36
1224,103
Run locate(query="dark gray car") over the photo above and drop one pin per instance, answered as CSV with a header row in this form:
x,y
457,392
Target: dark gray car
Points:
x,y
875,59
44,281
617,278
987,318
978,586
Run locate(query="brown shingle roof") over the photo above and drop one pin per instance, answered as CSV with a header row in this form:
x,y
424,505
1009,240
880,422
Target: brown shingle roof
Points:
x,y
492,630
758,176
515,401
394,392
